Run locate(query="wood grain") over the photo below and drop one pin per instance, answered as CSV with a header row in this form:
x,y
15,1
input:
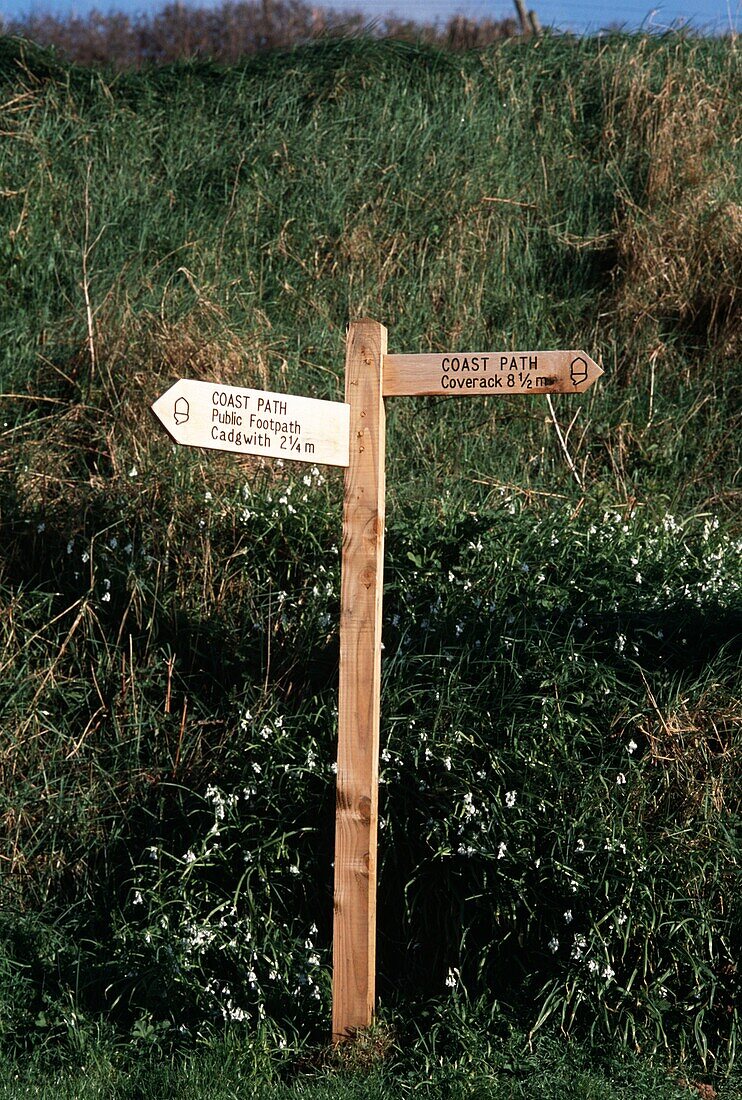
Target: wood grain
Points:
x,y
489,373
354,935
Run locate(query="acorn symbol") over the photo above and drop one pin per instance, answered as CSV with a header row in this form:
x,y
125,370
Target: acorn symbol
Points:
x,y
578,370
182,411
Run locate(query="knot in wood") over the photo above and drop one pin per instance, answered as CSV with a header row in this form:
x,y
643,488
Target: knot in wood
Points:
x,y
368,576
364,809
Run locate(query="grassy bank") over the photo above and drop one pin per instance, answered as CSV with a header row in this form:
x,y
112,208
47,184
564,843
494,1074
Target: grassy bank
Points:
x,y
561,699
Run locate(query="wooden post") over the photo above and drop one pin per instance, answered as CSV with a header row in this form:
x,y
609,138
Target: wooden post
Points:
x,y
354,933
520,8
534,23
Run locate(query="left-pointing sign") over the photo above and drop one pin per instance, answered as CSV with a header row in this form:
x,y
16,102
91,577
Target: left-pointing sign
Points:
x,y
255,422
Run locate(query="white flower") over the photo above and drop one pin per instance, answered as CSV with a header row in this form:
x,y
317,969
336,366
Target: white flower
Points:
x,y
580,845
133,472
510,799
501,849
553,945
568,916
190,856
451,979
631,747
620,779
138,899
608,972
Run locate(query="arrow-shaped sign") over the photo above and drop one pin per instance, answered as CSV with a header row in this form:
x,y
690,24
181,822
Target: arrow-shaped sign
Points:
x,y
476,374
255,422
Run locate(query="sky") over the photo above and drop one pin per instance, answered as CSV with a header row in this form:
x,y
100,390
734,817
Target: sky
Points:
x,y
580,16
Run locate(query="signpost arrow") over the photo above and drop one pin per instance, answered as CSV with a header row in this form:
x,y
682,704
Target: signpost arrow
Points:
x,y
476,374
255,422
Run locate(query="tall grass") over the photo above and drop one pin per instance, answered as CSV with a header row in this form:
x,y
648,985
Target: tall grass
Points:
x,y
561,694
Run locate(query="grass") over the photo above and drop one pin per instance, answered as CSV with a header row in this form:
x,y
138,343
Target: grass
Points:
x,y
561,696
232,1068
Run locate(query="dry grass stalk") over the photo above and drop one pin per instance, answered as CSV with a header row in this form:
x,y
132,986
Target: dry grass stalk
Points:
x,y
696,747
680,252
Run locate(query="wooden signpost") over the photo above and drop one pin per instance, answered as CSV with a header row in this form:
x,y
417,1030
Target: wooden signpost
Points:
x,y
352,434
370,376
361,586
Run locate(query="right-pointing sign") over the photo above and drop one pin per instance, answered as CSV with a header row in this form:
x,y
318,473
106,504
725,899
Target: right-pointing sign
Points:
x,y
479,373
